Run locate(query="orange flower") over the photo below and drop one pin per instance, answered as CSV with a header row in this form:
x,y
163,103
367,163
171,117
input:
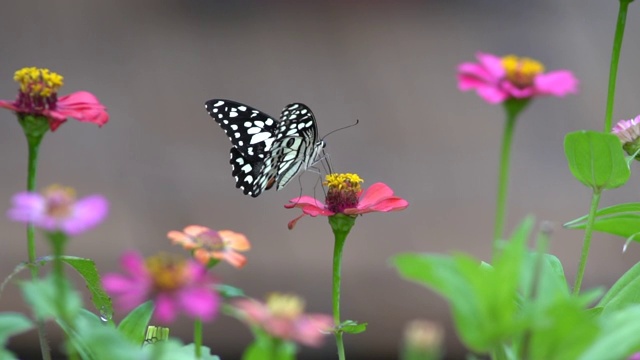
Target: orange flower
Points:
x,y
209,245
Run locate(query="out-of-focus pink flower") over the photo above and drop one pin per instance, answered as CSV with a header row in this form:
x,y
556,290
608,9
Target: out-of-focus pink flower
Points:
x,y
346,196
282,316
498,79
57,209
208,244
38,95
175,285
635,356
629,133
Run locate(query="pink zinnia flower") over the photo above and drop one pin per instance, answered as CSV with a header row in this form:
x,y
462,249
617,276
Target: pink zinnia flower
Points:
x,y
282,316
346,196
173,284
498,79
629,133
38,95
208,244
57,209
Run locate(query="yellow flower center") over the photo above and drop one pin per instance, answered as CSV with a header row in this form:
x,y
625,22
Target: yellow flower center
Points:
x,y
521,71
344,191
37,82
168,272
285,305
59,201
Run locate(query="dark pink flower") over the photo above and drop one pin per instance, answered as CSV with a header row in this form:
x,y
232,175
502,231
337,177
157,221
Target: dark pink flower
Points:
x,y
346,196
38,95
174,285
57,209
498,79
282,316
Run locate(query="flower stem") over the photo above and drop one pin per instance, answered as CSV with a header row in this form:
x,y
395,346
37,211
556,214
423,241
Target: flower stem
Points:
x,y
197,337
615,58
595,200
34,135
341,225
513,107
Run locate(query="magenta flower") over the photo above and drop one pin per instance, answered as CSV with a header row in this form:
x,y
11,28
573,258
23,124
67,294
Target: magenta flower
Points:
x,y
174,285
38,95
498,79
345,196
629,133
635,356
208,245
282,317
57,209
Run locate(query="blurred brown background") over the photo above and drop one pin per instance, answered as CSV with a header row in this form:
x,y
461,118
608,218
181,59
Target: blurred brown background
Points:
x,y
163,162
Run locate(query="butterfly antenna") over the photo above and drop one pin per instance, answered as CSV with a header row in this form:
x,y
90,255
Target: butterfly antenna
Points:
x,y
342,128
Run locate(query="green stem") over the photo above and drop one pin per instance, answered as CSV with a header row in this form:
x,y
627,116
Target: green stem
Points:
x,y
503,180
615,58
595,200
341,225
197,337
33,142
499,353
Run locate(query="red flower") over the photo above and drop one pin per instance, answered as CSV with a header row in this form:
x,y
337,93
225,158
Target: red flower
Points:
x,y
38,95
345,196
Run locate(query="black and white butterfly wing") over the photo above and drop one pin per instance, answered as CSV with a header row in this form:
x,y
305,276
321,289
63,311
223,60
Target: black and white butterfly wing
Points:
x,y
296,146
251,131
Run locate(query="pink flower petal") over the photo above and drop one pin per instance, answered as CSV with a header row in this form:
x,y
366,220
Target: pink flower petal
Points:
x,y
196,230
374,194
166,308
82,106
27,207
557,83
386,205
8,105
492,94
293,222
133,263
200,303
492,64
471,76
234,240
88,213
309,206
183,239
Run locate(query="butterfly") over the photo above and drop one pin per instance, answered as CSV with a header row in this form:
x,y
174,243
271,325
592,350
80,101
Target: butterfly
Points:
x,y
267,152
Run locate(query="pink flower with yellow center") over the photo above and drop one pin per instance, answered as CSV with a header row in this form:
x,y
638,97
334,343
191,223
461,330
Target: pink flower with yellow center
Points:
x,y
57,209
38,95
208,245
173,284
345,196
283,317
498,79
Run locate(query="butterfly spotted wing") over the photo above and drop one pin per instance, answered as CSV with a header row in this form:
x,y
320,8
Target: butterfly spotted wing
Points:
x,y
267,152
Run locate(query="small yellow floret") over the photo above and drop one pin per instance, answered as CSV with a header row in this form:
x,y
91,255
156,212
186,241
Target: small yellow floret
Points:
x,y
60,190
38,82
521,70
285,305
344,181
168,272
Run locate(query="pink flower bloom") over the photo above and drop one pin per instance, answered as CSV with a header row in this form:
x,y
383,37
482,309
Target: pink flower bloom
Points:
x,y
38,95
635,356
282,317
208,244
345,196
57,209
628,130
173,284
498,79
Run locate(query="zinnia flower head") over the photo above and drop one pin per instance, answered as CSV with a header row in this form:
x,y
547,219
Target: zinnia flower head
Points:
x,y
283,317
635,356
57,209
629,133
345,196
210,245
498,79
173,284
38,95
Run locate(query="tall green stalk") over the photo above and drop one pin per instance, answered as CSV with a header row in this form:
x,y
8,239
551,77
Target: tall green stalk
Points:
x,y
615,59
341,225
586,245
35,127
513,107
197,337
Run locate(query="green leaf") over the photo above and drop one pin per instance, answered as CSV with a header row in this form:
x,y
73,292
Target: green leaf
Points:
x,y
622,220
618,338
267,348
228,291
42,295
134,325
624,292
352,327
12,323
596,159
89,272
